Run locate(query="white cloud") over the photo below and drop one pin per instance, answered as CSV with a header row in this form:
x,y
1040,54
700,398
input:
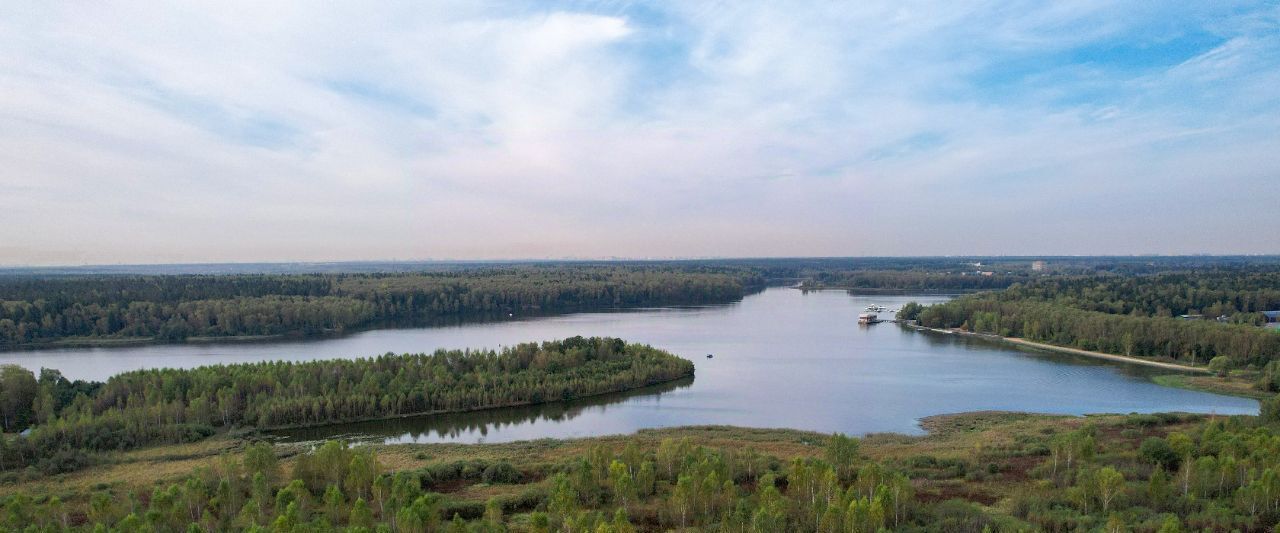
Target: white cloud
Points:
x,y
143,132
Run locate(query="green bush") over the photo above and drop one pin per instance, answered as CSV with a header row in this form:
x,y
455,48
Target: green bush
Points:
x,y
1159,452
501,472
1270,412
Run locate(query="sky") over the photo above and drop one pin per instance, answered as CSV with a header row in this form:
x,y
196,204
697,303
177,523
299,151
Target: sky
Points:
x,y
171,132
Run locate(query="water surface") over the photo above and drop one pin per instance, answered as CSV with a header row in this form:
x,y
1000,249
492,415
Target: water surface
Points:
x,y
782,358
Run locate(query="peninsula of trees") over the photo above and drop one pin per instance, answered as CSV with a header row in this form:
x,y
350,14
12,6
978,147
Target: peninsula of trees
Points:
x,y
1200,318
166,406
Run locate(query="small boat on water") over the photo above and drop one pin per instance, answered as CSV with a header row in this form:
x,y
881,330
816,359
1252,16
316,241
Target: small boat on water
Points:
x,y
709,356
868,318
876,308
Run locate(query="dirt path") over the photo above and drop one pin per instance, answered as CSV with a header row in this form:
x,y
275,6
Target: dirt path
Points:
x,y
1077,351
1112,357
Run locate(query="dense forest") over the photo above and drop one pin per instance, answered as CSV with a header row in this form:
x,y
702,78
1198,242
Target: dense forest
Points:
x,y
1148,473
35,309
1129,315
162,406
1240,295
1187,341
179,302
915,280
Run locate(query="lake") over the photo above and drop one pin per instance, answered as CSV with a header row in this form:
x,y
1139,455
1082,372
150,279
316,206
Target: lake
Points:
x,y
782,358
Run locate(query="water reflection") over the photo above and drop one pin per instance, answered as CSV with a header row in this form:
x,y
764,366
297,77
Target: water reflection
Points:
x,y
475,426
950,340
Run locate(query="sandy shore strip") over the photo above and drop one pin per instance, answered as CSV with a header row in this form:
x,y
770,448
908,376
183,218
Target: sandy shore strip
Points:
x,y
1075,351
1112,357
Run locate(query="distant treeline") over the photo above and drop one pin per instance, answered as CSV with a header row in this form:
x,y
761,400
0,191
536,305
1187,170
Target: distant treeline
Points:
x,y
169,406
173,308
39,307
916,280
1129,315
1213,294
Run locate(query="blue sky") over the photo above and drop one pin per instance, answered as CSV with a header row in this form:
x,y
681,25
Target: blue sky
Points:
x,y
134,132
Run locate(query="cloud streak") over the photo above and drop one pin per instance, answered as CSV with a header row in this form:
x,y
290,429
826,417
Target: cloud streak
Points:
x,y
246,132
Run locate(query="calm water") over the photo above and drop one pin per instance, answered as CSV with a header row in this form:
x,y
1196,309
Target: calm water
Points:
x,y
783,358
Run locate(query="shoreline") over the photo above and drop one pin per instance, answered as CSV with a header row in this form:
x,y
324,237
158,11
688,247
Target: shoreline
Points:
x,y
279,430
108,342
1064,349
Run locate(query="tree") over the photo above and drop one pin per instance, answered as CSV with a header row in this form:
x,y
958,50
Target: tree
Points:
x,y
646,478
1159,452
17,396
1171,525
361,514
260,458
1270,410
624,488
1110,484
362,471
1221,365
841,452
622,524
1184,447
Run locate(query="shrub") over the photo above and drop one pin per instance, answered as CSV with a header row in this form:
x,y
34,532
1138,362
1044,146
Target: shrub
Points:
x,y
1270,412
64,461
1221,365
501,472
1143,421
1158,451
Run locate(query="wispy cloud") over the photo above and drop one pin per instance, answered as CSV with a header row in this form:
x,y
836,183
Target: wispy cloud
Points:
x,y
137,132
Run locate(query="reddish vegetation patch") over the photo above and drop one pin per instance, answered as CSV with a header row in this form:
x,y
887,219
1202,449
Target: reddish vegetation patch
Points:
x,y
450,486
645,519
1018,468
78,518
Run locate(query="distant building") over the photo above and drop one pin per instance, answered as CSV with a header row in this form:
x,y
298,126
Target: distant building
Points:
x,y
1272,316
1037,266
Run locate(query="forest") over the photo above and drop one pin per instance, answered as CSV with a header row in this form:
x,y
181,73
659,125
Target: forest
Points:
x,y
915,280
41,308
69,420
1141,473
1238,295
176,303
1130,315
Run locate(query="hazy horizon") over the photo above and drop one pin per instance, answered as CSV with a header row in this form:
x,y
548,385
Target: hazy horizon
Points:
x,y
141,133
398,265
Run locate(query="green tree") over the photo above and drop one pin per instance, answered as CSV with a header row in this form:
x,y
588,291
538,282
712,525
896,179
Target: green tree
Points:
x,y
1221,365
1270,410
361,514
1110,485
17,397
841,452
260,458
624,488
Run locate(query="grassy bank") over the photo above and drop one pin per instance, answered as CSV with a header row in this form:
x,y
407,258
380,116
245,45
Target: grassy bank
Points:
x,y
963,436
1236,384
997,471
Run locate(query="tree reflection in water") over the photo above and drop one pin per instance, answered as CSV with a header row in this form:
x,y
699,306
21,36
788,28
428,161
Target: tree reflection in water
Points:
x,y
472,426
